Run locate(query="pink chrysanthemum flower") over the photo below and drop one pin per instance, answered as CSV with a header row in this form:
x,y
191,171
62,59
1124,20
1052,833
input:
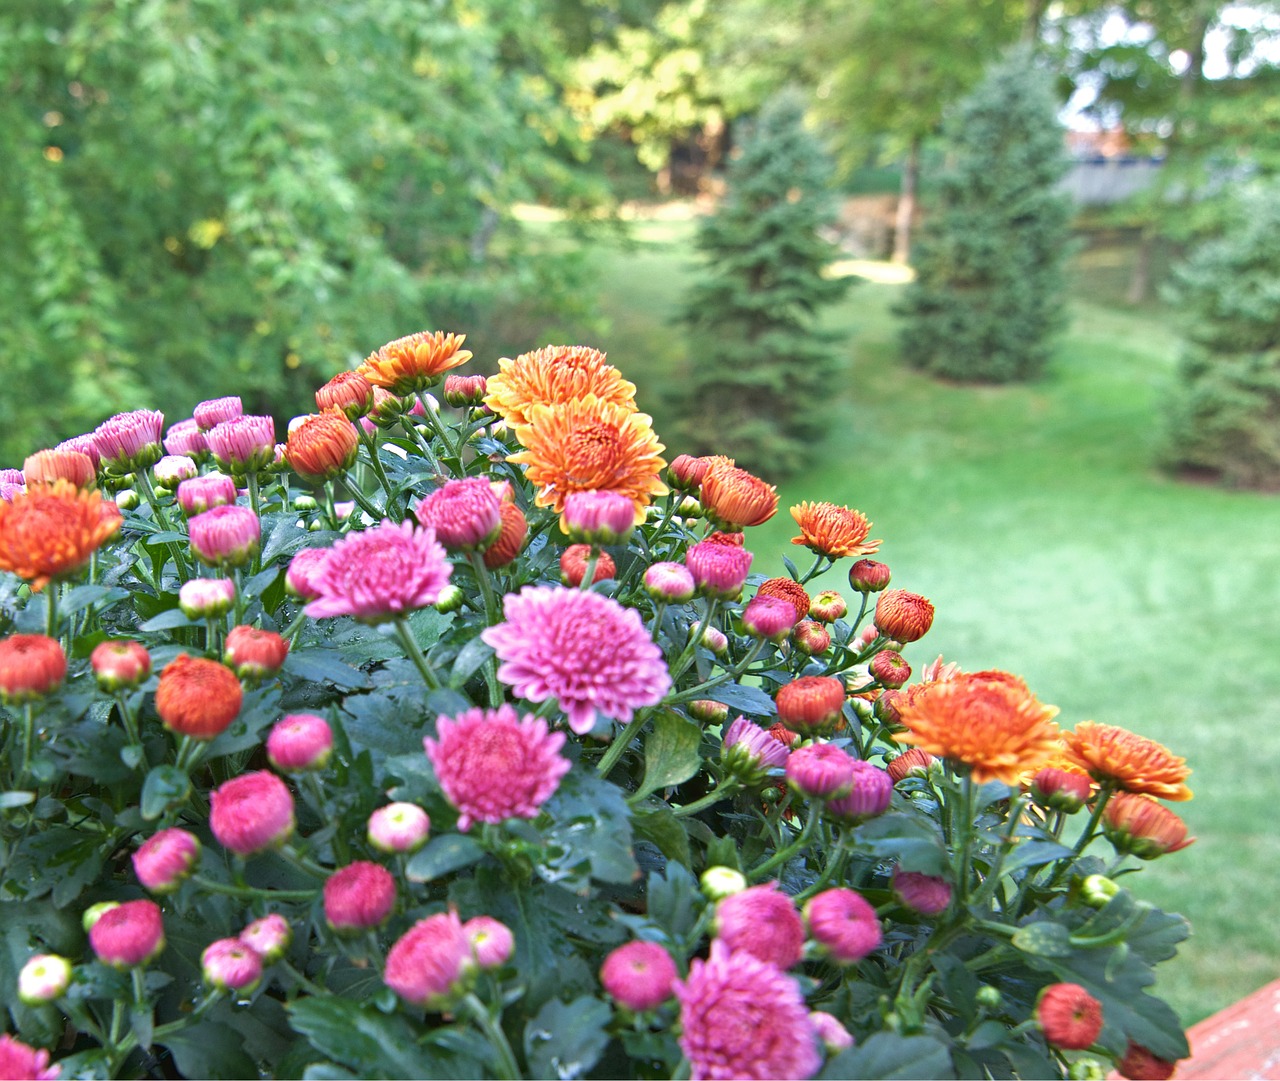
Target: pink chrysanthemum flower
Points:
x,y
172,470
587,651
243,443
268,936
763,922
431,963
185,438
128,934
770,618
299,742
491,941
743,1018
719,570
465,514
928,895
225,536
359,896
870,797
398,827
251,813
670,583
381,573
304,573
18,1059
216,410
166,858
821,771
231,964
749,752
597,517
494,765
199,494
83,443
844,923
639,975
130,441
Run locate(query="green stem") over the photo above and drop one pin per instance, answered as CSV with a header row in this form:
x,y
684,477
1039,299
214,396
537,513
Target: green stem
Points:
x,y
722,791
1086,835
51,609
162,519
963,850
415,654
992,880
28,736
508,1069
620,744
363,501
814,571
686,656
835,861
370,441
252,893
802,840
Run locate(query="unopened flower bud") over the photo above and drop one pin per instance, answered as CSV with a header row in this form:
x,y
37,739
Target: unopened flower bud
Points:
x,y
254,654
172,470
491,941
206,598
720,882
300,742
44,978
868,576
127,499
574,561
830,1032
711,637
268,937
903,616
670,583
398,828
708,712
451,599
598,517
989,998
889,669
1060,789
811,638
120,664
230,965
1096,891
770,618
828,606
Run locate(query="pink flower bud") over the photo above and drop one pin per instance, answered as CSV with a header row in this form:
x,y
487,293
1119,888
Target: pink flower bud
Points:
x,y
431,964
268,937
231,965
165,859
215,411
719,570
465,515
303,575
129,441
763,922
251,813
172,470
128,935
242,444
119,664
749,752
184,439
831,1033
811,638
598,517
254,654
200,494
844,923
299,742
206,598
925,894
225,536
770,618
399,828
868,576
359,896
464,390
18,1059
44,978
639,975
820,771
670,583
491,941
870,797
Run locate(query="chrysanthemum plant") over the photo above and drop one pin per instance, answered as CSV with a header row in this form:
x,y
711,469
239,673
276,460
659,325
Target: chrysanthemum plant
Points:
x,y
454,737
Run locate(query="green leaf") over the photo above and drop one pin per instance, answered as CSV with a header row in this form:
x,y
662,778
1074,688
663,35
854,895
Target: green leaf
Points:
x,y
168,621
591,835
443,855
371,1043
324,666
1044,938
83,596
1034,854
165,787
470,658
674,900
743,698
15,798
911,840
887,1055
661,826
671,753
566,1040
210,1049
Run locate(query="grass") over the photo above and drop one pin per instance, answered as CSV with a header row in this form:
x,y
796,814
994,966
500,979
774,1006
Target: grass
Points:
x,y
1034,518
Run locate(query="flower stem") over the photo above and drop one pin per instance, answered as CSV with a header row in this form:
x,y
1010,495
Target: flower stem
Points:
x,y
720,792
370,441
415,654
783,854
251,892
619,745
359,496
508,1069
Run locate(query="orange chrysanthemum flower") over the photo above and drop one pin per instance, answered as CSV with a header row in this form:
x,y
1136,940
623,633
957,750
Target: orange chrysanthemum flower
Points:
x,y
415,362
590,444
1139,826
733,498
322,446
349,392
1119,758
833,531
47,466
51,530
996,726
198,697
789,590
552,376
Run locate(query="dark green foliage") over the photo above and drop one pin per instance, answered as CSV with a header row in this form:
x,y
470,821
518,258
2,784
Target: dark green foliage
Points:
x,y
759,368
989,291
1225,415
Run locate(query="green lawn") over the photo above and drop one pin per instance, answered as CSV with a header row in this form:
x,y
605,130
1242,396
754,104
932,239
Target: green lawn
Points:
x,y
1035,520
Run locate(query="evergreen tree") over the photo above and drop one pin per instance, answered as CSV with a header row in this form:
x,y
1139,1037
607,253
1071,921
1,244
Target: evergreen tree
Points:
x,y
989,291
1225,416
759,366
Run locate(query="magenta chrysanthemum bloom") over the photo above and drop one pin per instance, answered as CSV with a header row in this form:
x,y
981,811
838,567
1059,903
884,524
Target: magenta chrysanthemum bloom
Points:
x,y
230,964
20,1060
831,1033
185,438
639,975
199,494
749,752
763,922
299,742
587,651
205,598
82,444
172,470
670,583
216,410
359,896
491,941
165,859
429,965
844,923
719,570
493,765
225,536
303,575
269,937
598,517
770,618
381,574
925,894
251,813
129,934
869,798
820,771
243,443
743,1018
398,827
465,514
129,441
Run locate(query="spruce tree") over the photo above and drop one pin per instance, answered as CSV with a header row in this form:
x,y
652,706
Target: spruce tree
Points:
x,y
1225,415
989,290
759,367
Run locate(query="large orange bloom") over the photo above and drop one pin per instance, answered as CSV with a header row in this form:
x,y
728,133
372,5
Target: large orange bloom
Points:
x,y
833,531
995,725
198,697
733,498
415,362
1117,757
590,445
554,375
322,446
51,530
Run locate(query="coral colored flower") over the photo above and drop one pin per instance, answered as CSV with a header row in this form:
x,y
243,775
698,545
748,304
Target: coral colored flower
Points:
x,y
811,638
870,796
911,763
494,765
381,574
322,447
206,598
128,935
1060,790
461,391
1119,758
597,517
589,445
844,923
833,531
254,654
996,726
199,494
51,530
465,514
788,590
415,362
1139,826
573,565
749,752
1069,1016
230,964
670,583
770,618
552,376
31,666
510,539
1139,1064
47,466
129,441
685,472
19,1060
198,697
165,859
359,896
226,536
185,438
820,771
639,975
431,963
868,576
587,651
299,742
398,827
269,937
719,570
243,444
889,669
928,895
492,942
734,499
741,1017
350,393
811,704
84,444
304,573
763,922
44,978
251,813
215,411
903,616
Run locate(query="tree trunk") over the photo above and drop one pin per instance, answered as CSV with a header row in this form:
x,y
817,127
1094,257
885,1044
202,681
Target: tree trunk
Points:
x,y
1035,16
906,204
1140,280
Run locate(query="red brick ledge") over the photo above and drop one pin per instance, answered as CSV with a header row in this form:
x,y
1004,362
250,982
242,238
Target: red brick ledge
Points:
x,y
1241,1042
